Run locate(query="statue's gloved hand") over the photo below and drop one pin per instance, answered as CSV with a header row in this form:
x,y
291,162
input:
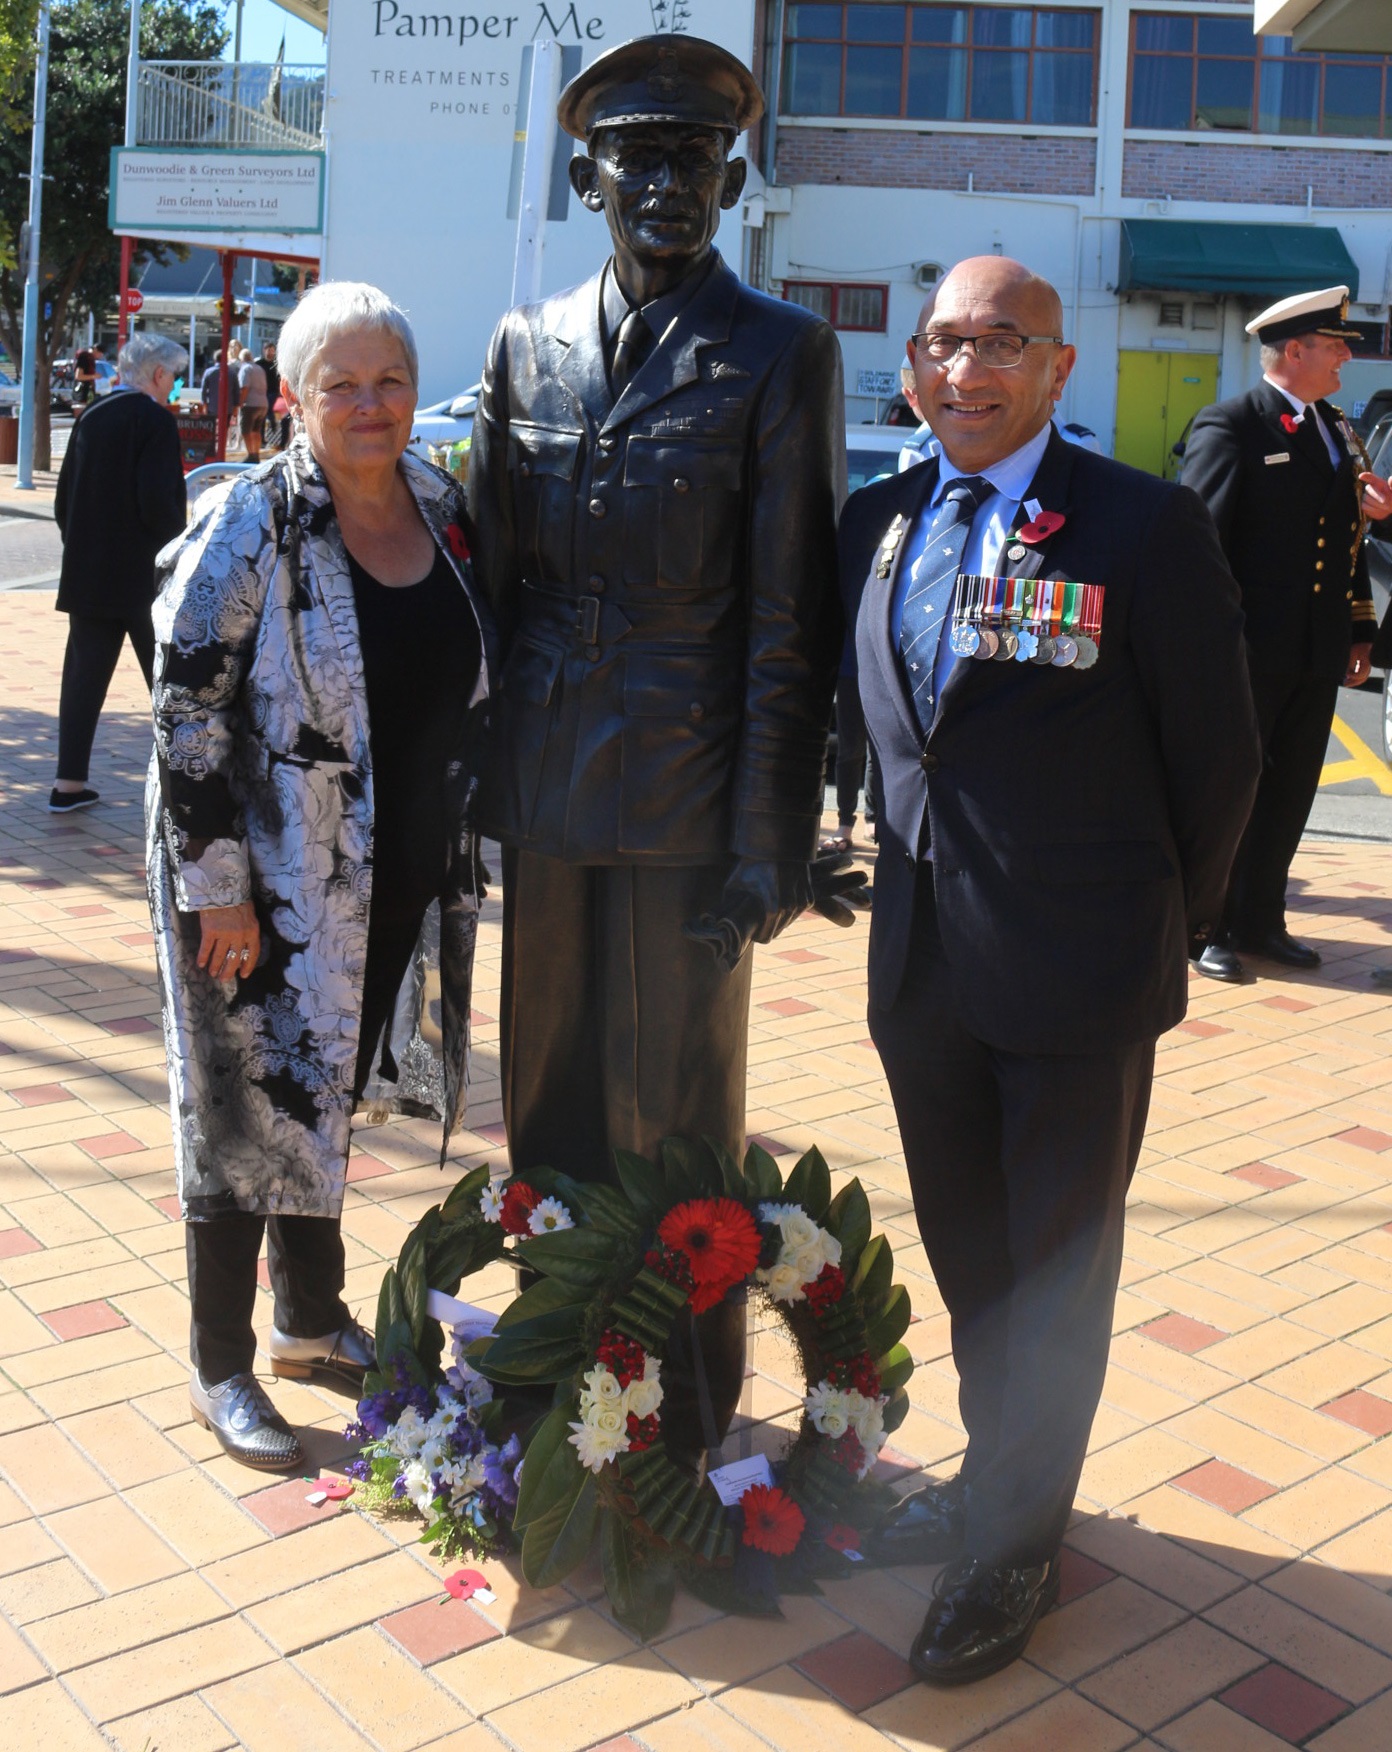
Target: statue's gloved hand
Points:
x,y
839,889
761,898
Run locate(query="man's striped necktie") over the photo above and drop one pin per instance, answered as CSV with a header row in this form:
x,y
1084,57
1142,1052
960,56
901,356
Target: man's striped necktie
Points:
x,y
931,584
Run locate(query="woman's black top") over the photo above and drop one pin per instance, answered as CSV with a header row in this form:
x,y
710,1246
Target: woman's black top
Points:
x,y
421,656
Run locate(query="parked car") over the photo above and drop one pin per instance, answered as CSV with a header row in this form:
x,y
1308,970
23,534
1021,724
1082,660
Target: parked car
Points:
x,y
871,452
9,392
1375,410
441,432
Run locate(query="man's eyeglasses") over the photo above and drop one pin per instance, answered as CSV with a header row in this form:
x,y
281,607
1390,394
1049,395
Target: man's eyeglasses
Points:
x,y
996,352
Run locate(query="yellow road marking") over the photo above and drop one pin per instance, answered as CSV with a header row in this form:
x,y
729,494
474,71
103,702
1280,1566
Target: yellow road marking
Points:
x,y
1361,762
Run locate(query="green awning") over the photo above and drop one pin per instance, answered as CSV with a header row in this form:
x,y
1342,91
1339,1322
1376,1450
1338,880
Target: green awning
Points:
x,y
1263,261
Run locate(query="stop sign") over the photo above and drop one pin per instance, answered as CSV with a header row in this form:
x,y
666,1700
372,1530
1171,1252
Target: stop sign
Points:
x,y
135,298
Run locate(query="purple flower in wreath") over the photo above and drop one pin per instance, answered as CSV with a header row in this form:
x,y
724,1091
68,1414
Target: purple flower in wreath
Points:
x,y
359,1469
500,1471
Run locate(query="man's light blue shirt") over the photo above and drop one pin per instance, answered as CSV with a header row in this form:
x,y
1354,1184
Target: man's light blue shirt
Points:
x,y
989,528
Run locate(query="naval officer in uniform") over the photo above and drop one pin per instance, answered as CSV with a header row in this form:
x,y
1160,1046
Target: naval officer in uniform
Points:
x,y
657,465
1052,672
1278,469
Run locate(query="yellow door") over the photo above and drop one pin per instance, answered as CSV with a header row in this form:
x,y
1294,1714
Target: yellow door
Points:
x,y
1193,385
1157,396
1143,380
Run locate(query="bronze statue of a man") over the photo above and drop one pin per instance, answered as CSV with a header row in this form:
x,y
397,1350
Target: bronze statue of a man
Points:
x,y
656,471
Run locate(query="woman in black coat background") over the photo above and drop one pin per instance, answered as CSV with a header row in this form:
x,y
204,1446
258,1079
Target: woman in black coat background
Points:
x,y
120,499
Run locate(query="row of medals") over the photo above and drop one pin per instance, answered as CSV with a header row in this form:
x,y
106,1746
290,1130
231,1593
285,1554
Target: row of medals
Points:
x,y
986,606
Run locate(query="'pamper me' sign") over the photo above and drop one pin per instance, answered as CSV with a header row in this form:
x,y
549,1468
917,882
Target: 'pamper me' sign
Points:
x,y
425,117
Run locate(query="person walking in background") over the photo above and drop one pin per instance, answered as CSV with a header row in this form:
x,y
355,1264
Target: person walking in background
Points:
x,y
84,378
253,403
120,498
1279,473
276,428
1055,832
208,388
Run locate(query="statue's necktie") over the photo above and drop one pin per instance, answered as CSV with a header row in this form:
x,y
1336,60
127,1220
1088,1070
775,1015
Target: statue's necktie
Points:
x,y
632,345
930,590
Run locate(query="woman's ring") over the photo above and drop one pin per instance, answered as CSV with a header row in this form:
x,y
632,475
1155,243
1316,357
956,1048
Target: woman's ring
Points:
x,y
245,955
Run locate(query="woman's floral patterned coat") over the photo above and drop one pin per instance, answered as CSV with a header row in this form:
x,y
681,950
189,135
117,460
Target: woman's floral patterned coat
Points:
x,y
261,789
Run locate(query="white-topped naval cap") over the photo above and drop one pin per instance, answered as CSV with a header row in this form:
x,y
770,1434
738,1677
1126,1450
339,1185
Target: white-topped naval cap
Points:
x,y
1308,313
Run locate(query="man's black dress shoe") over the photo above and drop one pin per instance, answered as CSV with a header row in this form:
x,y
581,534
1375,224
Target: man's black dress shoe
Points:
x,y
980,1619
925,1527
1220,962
1281,947
239,1413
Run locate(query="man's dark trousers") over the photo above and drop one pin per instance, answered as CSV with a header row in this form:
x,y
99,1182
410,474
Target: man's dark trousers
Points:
x,y
1018,1164
1294,713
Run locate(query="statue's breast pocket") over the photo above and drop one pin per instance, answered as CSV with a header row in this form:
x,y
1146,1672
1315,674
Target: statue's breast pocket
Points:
x,y
541,463
681,499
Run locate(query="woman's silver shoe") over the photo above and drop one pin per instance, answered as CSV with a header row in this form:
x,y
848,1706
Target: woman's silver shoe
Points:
x,y
345,1355
240,1414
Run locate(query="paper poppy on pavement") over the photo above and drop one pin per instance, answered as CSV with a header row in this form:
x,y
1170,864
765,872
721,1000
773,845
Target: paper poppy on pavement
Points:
x,y
1289,423
465,1583
1040,528
772,1520
454,535
843,1538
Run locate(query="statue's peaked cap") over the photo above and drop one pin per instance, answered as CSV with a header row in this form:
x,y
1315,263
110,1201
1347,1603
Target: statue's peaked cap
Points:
x,y
667,78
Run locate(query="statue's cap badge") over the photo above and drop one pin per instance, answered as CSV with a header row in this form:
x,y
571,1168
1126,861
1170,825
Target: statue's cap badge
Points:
x,y
666,78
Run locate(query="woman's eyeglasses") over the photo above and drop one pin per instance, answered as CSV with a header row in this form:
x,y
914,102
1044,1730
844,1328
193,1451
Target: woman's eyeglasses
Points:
x,y
996,352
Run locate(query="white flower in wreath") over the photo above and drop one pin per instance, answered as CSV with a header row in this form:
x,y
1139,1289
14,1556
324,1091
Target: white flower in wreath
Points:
x,y
783,1282
644,1396
608,1420
867,1419
491,1201
773,1214
829,1410
798,1230
408,1432
548,1215
808,1262
596,1448
602,1387
419,1487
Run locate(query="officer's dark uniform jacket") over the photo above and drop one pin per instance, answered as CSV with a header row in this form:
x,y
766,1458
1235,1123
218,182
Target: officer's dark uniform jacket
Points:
x,y
1288,522
663,570
1081,823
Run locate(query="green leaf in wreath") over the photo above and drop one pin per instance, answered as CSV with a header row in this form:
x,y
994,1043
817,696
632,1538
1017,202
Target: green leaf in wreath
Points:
x,y
848,1218
390,1307
605,1208
875,1273
547,1348
717,1587
642,1184
889,1321
411,1269
582,1257
689,1169
896,1411
640,1584
464,1200
895,1367
461,1251
543,1297
551,1468
809,1185
400,1347
761,1176
559,1541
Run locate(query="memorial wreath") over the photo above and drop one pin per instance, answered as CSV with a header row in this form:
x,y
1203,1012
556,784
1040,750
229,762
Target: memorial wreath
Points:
x,y
473,1447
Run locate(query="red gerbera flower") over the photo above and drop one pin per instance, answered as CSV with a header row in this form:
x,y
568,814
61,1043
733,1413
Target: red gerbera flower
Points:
x,y
772,1520
519,1201
720,1241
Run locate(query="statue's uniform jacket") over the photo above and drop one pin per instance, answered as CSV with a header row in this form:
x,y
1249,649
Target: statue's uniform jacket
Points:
x,y
663,569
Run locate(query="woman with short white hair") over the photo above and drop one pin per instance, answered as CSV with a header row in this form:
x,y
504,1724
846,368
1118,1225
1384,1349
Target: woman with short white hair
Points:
x,y
120,498
320,679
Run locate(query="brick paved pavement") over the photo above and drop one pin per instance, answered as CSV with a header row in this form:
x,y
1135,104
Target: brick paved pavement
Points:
x,y
1231,1558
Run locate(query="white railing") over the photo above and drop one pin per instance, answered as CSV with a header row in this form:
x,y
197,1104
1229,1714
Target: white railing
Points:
x,y
227,103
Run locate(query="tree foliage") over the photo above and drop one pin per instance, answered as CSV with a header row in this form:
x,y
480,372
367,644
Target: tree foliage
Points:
x,y
18,20
86,110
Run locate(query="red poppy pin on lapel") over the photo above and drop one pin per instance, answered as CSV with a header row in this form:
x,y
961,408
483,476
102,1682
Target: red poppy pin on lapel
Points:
x,y
1040,527
454,535
1290,423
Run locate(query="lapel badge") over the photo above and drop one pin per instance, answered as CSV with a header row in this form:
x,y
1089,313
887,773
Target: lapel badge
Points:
x,y
723,368
1016,552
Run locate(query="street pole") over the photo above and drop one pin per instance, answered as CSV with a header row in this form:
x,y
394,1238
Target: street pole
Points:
x,y
536,171
132,138
29,352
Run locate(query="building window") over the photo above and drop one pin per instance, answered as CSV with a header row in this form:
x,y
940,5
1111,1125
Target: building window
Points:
x,y
1198,73
941,63
845,307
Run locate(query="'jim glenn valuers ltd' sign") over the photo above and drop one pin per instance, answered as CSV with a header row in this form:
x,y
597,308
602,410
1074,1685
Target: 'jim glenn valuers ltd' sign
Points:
x,y
189,190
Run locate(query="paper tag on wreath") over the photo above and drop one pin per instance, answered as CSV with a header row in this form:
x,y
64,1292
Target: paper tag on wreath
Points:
x,y
464,1318
733,1480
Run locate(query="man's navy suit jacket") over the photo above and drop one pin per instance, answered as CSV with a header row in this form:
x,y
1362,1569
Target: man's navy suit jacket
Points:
x,y
1082,821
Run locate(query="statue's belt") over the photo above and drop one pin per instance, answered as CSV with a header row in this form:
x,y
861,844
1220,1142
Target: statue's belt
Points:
x,y
595,620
